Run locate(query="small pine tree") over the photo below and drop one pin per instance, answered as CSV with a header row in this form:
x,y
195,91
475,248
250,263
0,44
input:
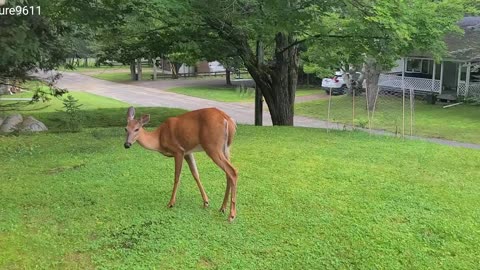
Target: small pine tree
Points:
x,y
73,120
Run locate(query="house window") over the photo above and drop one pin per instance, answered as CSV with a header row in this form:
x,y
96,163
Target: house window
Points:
x,y
414,65
426,66
475,73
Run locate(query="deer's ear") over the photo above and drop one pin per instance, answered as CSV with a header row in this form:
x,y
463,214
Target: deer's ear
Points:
x,y
145,119
130,113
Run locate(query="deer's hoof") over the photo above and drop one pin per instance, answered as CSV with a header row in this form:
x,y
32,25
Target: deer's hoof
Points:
x,y
222,210
205,204
170,204
231,218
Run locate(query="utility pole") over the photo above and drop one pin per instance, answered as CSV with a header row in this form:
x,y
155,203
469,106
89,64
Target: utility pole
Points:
x,y
258,93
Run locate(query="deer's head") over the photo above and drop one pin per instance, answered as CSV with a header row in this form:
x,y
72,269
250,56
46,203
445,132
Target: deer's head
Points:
x,y
134,127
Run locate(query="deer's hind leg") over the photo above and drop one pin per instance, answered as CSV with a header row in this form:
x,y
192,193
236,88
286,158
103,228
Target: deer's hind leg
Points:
x,y
223,162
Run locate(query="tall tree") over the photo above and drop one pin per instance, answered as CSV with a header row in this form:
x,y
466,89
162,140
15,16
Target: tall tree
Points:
x,y
279,25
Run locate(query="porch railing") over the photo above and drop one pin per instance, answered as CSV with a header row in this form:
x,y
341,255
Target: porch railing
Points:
x,y
473,88
417,84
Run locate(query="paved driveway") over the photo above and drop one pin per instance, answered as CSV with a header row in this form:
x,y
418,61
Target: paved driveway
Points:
x,y
153,94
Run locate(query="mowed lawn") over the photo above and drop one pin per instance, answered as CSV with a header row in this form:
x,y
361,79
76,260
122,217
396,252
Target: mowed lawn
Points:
x,y
307,199
97,111
231,94
460,123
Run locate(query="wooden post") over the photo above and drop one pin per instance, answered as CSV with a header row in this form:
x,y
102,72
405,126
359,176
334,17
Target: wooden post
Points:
x,y
328,110
368,111
433,76
353,108
154,69
403,99
459,78
467,78
258,92
441,78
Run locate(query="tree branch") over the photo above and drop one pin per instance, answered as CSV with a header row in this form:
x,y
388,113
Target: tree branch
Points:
x,y
318,36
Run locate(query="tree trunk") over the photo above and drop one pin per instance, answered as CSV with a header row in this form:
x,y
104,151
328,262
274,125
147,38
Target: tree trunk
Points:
x,y
132,71
139,69
278,80
154,66
227,76
175,67
372,74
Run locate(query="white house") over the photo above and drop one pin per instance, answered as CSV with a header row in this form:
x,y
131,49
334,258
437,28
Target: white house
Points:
x,y
457,74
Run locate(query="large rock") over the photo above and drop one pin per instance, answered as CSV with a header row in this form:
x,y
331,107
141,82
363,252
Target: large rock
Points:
x,y
4,89
10,123
31,124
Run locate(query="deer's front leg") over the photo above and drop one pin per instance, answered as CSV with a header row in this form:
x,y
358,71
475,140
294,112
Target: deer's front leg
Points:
x,y
178,170
193,168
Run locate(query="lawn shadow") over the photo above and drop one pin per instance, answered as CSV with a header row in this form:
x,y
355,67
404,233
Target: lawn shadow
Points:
x,y
98,118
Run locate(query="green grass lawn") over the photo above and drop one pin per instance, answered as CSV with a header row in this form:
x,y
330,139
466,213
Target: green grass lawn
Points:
x,y
461,123
231,94
97,111
307,199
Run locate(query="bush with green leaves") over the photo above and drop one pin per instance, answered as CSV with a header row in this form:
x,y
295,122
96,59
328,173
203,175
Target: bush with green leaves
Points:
x,y
73,114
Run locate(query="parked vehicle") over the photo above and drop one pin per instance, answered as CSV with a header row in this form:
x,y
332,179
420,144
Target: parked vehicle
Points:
x,y
337,85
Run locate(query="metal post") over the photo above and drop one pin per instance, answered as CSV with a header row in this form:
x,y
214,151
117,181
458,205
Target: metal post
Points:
x,y
258,92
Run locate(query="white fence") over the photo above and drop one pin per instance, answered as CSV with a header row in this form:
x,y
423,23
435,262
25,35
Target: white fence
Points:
x,y
411,83
473,88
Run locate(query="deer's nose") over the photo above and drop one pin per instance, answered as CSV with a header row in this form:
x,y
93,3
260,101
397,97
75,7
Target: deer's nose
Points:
x,y
127,145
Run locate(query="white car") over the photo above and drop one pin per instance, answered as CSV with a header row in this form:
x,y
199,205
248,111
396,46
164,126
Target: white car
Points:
x,y
335,84
338,85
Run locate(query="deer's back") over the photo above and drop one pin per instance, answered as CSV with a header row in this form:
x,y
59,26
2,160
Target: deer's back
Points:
x,y
198,129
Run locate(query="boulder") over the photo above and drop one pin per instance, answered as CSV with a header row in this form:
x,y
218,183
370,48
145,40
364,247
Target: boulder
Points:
x,y
4,89
31,124
11,122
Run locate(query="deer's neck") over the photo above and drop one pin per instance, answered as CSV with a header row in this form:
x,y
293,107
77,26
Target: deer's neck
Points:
x,y
149,140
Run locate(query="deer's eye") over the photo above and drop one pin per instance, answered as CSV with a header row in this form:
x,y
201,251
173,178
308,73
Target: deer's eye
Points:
x,y
137,129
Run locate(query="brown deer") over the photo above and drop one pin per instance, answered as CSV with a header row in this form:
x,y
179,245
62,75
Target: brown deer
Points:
x,y
209,130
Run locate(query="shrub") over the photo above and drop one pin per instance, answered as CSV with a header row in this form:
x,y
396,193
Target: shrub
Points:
x,y
73,114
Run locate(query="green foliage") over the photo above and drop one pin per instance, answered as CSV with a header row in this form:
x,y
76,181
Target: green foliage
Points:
x,y
385,30
34,40
97,111
73,114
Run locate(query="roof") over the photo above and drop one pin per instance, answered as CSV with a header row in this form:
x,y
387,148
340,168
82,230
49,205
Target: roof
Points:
x,y
466,47
461,47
